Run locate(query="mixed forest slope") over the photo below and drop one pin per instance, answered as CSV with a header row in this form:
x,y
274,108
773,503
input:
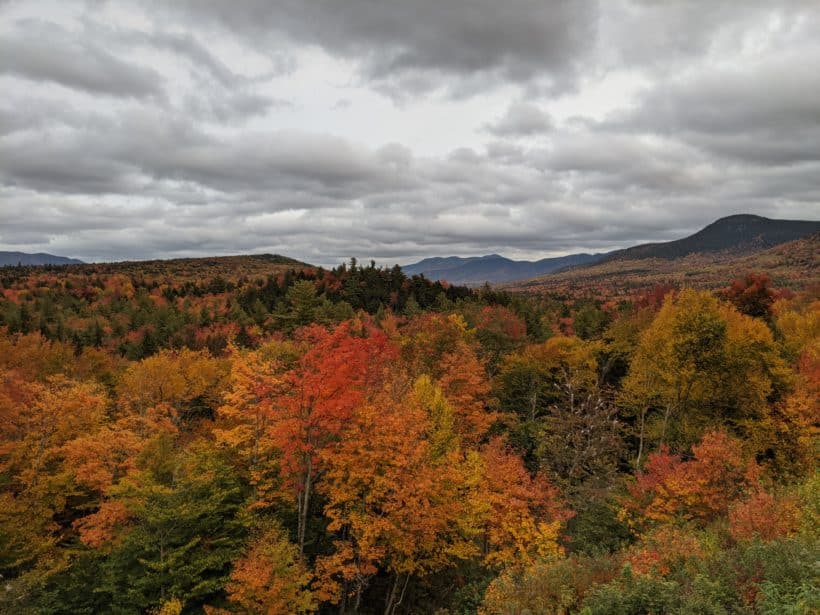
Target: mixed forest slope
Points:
x,y
178,270
739,234
139,306
792,265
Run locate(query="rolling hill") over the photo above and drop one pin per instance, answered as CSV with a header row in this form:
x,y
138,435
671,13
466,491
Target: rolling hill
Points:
x,y
41,258
182,269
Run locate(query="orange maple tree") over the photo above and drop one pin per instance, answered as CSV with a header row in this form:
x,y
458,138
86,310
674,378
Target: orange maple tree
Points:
x,y
701,488
290,415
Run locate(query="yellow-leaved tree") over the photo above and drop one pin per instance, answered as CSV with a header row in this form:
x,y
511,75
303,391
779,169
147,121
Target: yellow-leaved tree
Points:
x,y
701,364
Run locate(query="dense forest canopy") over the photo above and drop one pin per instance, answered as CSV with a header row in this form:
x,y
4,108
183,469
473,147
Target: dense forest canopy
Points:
x,y
255,435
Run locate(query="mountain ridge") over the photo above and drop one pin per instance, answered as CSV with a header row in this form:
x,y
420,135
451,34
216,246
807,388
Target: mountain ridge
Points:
x,y
740,233
737,234
39,258
793,265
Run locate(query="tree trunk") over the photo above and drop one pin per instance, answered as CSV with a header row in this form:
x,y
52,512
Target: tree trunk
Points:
x,y
305,504
640,439
358,598
391,597
343,601
401,596
666,415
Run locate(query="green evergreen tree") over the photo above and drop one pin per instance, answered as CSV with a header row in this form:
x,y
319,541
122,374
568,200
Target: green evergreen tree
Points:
x,y
187,532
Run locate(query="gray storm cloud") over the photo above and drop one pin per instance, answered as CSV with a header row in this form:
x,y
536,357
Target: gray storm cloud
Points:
x,y
421,43
142,130
41,51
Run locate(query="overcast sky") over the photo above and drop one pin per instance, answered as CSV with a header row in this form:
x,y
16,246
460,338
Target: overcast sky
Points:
x,y
400,129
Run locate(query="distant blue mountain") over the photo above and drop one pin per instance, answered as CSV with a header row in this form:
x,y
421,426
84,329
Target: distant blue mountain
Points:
x,y
41,258
476,270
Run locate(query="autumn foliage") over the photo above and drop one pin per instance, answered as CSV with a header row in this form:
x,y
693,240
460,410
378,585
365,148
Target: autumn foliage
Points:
x,y
276,439
700,488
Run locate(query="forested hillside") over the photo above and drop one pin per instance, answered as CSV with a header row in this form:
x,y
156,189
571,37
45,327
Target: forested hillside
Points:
x,y
794,265
740,234
255,435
